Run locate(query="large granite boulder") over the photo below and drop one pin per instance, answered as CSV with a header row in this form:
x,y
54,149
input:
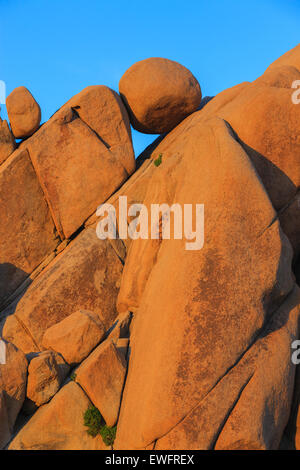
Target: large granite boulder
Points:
x,y
209,321
159,94
23,111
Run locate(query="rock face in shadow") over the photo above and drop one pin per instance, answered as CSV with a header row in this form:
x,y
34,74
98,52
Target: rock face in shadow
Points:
x,y
13,380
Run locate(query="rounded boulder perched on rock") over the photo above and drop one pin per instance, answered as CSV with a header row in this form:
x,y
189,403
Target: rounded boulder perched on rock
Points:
x,y
159,94
23,111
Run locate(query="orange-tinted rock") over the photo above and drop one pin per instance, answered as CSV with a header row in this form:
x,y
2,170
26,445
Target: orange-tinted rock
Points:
x,y
122,345
7,141
121,327
265,373
159,94
195,314
13,377
280,77
27,231
77,170
46,373
135,190
75,336
86,275
290,58
103,111
59,425
218,102
23,112
102,376
267,122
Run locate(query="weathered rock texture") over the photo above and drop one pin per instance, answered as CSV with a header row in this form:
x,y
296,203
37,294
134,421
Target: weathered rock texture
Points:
x,y
102,376
87,171
159,94
75,336
86,275
203,296
59,425
56,179
46,373
13,379
23,111
206,334
27,231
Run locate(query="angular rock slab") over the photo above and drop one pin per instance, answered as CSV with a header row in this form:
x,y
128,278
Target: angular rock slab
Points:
x,y
27,231
198,312
13,379
102,377
46,373
86,275
59,425
77,170
102,109
75,336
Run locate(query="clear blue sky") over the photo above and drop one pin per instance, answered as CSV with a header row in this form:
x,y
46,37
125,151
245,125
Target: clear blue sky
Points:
x,y
58,47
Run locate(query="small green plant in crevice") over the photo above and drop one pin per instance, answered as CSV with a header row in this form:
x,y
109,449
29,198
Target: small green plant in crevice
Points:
x,y
93,420
95,423
158,161
108,434
73,376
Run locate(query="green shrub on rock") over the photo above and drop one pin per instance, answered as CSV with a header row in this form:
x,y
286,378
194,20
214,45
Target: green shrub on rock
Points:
x,y
96,425
108,434
93,420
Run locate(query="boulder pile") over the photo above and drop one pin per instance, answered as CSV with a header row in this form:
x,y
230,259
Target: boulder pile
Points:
x,y
142,344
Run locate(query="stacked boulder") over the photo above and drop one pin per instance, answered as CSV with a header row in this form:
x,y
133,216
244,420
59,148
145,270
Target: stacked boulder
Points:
x,y
51,261
168,346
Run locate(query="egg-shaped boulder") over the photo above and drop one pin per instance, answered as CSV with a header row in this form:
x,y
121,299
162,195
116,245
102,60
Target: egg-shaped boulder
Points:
x,y
159,93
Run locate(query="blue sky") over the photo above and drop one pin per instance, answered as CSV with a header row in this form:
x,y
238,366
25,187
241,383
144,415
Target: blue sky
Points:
x,y
58,47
